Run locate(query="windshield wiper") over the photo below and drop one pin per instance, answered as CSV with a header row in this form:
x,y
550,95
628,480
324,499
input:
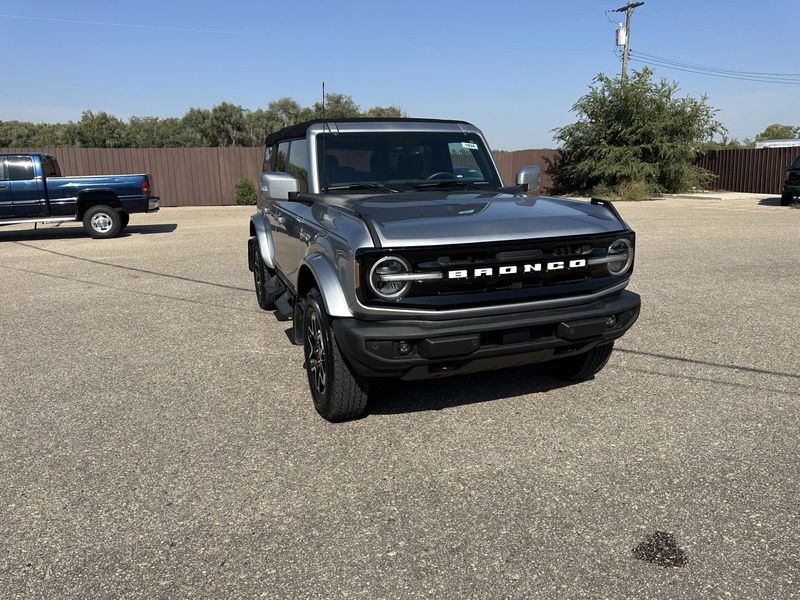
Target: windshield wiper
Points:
x,y
473,185
360,186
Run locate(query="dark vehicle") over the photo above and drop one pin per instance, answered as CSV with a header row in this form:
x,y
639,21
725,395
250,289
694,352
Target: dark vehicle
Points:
x,y
32,190
398,252
791,183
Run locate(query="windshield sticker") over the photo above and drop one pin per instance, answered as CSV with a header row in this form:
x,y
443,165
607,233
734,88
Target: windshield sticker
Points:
x,y
469,145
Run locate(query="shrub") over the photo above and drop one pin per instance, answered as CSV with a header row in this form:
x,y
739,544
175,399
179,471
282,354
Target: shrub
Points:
x,y
637,130
245,192
634,191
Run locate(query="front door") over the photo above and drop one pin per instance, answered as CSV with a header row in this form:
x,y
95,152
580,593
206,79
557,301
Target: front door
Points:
x,y
6,208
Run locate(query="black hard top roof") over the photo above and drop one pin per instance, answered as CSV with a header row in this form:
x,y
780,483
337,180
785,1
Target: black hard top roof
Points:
x,y
294,132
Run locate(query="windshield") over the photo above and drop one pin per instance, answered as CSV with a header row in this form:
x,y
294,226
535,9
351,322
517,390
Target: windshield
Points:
x,y
396,161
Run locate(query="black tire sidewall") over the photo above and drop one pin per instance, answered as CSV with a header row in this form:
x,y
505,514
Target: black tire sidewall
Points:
x,y
112,213
313,304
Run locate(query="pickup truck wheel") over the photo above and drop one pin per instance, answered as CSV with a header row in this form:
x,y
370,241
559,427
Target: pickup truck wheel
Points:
x,y
102,222
786,198
125,219
339,393
261,277
581,367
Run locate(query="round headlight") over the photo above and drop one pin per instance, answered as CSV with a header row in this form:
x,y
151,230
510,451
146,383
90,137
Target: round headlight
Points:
x,y
624,249
380,278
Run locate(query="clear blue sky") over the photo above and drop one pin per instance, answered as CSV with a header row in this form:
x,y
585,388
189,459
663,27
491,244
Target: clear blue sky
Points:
x,y
514,68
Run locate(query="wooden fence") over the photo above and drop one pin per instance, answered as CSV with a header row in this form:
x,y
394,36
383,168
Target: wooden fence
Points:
x,y
206,176
759,171
181,176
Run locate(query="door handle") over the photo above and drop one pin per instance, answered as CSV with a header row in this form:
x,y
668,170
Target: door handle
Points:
x,y
3,187
280,220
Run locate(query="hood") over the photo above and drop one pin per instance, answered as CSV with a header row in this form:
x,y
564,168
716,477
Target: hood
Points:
x,y
463,217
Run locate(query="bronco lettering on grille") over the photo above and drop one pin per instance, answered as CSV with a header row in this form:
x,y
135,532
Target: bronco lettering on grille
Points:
x,y
556,265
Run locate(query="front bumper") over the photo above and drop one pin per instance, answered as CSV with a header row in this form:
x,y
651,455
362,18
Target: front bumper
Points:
x,y
153,204
423,349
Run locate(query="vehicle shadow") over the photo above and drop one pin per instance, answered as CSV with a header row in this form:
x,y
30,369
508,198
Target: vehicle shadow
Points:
x,y
397,397
770,201
54,233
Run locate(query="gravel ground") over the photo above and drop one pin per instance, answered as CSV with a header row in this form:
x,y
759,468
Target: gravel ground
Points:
x,y
157,438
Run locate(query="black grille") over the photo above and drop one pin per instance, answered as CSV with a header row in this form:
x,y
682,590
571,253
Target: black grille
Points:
x,y
497,288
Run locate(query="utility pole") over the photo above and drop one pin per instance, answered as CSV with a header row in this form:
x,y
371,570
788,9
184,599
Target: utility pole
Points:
x,y
628,10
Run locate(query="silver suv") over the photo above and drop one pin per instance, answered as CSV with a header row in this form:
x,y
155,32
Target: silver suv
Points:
x,y
398,253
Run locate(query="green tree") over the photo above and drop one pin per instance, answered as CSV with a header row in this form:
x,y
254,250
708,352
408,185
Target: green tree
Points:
x,y
776,131
635,131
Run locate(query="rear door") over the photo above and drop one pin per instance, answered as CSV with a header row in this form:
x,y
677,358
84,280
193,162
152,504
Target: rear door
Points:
x,y
6,209
27,190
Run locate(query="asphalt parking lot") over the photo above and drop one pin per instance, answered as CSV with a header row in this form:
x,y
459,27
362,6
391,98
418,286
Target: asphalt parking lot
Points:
x,y
157,438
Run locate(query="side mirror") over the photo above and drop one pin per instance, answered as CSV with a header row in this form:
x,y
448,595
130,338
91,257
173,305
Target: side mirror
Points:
x,y
529,176
278,186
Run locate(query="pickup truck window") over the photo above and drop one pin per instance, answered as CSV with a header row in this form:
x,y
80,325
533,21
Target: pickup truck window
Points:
x,y
3,171
50,167
20,168
403,160
298,162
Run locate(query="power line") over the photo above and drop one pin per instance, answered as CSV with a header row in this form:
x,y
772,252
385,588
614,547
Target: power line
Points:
x,y
681,63
709,71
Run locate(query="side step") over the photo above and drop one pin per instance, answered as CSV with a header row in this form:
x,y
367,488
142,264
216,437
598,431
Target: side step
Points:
x,y
284,305
35,220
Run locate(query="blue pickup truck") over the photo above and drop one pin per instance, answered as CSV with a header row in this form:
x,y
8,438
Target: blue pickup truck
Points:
x,y
32,190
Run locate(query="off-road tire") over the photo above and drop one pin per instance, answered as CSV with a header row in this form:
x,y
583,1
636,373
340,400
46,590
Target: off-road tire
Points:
x,y
344,393
786,199
125,218
581,367
102,222
261,276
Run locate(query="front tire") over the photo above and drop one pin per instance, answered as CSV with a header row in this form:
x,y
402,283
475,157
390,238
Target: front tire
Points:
x,y
261,277
581,367
339,394
102,222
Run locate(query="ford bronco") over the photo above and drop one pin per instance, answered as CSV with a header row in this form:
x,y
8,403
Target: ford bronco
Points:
x,y
398,252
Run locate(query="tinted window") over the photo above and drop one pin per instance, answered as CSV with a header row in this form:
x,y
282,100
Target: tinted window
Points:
x,y
267,166
298,163
281,156
20,168
50,167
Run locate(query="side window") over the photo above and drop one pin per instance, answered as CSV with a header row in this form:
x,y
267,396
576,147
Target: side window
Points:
x,y
20,168
267,166
50,167
3,171
298,162
281,156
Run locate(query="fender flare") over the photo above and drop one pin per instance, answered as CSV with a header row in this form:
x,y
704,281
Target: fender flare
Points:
x,y
329,285
263,234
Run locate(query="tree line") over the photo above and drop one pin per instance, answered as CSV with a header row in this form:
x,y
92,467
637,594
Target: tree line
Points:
x,y
224,125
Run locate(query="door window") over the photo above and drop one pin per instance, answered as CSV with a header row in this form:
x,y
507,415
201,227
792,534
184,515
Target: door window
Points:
x,y
298,163
20,168
281,156
3,171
